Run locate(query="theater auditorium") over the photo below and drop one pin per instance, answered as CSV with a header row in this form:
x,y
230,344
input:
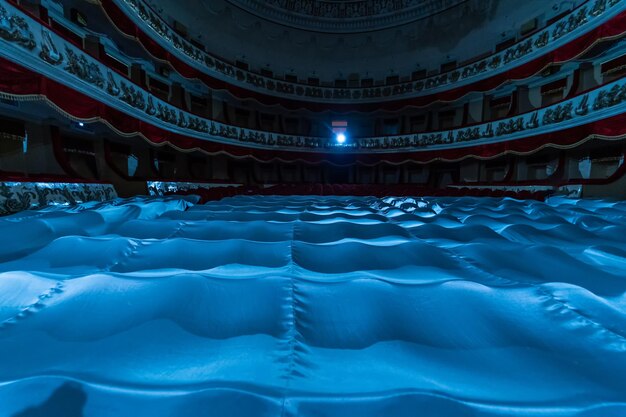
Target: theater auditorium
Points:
x,y
312,208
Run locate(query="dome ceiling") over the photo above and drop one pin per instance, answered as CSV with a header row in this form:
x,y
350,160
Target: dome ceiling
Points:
x,y
344,16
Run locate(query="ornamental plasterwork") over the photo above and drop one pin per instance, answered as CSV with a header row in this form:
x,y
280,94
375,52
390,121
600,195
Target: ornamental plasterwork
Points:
x,y
80,66
132,99
579,20
19,196
49,52
161,188
14,28
345,16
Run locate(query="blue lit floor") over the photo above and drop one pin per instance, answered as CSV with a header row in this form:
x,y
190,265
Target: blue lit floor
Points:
x,y
315,306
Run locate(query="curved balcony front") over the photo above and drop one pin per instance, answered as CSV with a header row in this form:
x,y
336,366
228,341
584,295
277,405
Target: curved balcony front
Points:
x,y
560,42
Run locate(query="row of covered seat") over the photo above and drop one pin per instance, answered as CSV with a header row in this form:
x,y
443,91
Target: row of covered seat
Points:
x,y
375,190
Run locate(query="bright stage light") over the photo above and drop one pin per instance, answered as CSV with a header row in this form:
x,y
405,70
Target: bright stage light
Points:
x,y
81,124
341,138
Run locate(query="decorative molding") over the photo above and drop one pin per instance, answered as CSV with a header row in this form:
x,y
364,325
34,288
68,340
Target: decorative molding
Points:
x,y
85,74
345,16
20,196
81,67
14,28
577,22
49,51
161,188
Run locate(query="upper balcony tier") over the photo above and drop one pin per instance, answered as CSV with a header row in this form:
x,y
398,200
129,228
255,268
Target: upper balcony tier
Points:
x,y
562,40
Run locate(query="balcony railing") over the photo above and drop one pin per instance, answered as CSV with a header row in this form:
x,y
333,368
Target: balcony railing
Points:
x,y
579,21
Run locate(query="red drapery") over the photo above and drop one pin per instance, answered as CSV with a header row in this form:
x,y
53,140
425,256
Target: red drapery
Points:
x,y
17,80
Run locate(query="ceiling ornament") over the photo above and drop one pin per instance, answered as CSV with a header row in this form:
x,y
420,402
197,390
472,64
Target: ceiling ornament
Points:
x,y
344,16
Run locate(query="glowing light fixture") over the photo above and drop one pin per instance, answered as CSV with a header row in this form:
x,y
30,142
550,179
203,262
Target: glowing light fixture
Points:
x,y
340,129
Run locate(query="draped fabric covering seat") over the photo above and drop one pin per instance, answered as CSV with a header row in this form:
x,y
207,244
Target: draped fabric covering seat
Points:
x,y
315,306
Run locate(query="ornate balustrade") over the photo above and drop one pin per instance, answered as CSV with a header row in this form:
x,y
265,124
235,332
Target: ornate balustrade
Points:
x,y
27,42
580,21
18,196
